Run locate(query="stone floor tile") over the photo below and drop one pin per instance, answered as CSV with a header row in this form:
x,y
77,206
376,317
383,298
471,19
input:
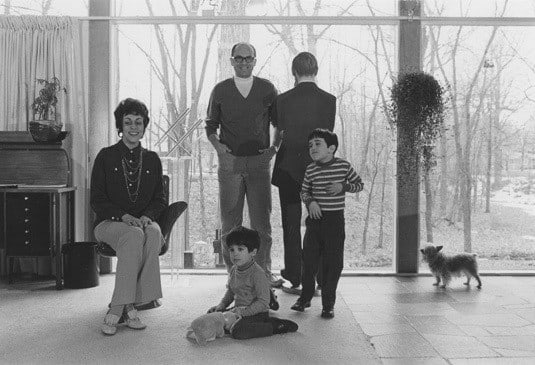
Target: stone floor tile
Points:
x,y
477,308
519,306
471,296
409,345
515,353
517,343
368,299
528,313
427,320
475,331
378,317
415,361
494,361
439,329
378,329
426,297
505,320
511,331
459,346
423,309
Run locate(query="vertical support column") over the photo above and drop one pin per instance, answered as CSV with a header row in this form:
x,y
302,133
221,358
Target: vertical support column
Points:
x,y
99,89
408,180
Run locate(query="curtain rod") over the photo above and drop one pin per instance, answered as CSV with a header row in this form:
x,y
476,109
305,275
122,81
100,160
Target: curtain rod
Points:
x,y
341,20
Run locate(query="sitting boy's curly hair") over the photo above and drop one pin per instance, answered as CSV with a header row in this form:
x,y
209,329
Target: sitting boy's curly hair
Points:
x,y
244,236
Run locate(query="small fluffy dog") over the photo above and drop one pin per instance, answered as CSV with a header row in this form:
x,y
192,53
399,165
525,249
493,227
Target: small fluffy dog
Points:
x,y
443,267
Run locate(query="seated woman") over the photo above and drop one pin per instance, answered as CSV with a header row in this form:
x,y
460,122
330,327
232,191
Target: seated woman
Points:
x,y
127,196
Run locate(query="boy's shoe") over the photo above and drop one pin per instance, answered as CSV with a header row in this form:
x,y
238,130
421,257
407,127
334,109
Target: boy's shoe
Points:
x,y
273,303
291,290
294,281
300,305
283,326
149,305
274,281
327,313
133,321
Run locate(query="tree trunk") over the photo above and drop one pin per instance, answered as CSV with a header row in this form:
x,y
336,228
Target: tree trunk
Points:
x,y
230,35
201,187
382,204
363,247
489,166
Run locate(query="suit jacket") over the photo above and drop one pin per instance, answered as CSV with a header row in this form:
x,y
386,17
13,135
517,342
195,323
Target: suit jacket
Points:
x,y
297,112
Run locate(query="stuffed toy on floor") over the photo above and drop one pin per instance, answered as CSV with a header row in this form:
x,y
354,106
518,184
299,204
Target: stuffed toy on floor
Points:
x,y
210,326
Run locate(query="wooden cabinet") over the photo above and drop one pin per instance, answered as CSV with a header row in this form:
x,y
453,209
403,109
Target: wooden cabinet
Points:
x,y
28,226
36,216
37,222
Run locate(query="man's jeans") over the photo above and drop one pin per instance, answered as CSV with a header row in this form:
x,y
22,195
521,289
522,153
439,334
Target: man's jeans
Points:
x,y
240,177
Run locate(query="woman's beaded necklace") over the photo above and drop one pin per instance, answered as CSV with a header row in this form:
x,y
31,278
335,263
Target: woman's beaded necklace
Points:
x,y
132,175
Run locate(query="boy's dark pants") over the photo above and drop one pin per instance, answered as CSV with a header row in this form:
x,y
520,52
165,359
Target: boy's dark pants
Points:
x,y
324,238
258,325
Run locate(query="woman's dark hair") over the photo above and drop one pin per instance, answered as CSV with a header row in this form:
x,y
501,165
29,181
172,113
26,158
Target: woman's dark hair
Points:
x,y
130,106
330,138
244,236
305,64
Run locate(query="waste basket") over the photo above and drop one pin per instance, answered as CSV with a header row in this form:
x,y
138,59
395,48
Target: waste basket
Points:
x,y
80,265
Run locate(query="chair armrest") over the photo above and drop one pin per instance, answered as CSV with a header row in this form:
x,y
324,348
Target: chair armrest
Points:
x,y
167,220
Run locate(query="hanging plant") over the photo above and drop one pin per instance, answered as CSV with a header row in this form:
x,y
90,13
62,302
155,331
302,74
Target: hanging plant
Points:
x,y
417,104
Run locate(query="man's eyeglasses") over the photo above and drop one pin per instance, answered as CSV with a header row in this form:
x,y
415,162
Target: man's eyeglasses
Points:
x,y
240,59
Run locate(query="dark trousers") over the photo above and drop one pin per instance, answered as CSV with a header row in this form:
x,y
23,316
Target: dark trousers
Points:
x,y
291,211
258,325
323,245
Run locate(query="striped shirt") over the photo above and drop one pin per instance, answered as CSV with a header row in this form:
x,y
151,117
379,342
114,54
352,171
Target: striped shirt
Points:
x,y
319,176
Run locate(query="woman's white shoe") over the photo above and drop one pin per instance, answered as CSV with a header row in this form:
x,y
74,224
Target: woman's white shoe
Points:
x,y
133,321
109,327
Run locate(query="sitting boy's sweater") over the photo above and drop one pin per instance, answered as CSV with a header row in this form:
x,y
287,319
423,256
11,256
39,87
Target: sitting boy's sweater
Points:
x,y
319,175
248,288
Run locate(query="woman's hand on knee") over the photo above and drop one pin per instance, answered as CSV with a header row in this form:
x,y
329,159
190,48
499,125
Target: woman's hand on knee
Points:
x,y
145,221
132,221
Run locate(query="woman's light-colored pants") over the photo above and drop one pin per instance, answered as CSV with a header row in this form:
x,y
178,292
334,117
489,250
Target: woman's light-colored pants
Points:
x,y
137,277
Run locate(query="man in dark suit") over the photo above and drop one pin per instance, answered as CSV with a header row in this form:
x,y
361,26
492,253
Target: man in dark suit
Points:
x,y
297,112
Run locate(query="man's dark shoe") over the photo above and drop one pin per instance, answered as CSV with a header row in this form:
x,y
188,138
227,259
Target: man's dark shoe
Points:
x,y
283,326
273,303
327,313
300,305
150,305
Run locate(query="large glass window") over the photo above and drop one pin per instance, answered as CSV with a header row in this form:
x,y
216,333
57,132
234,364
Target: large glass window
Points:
x,y
483,199
48,7
174,67
257,8
479,8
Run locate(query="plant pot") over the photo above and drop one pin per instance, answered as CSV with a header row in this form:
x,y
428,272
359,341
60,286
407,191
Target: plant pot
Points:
x,y
46,131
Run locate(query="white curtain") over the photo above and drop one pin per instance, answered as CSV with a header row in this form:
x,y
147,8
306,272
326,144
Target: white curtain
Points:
x,y
42,47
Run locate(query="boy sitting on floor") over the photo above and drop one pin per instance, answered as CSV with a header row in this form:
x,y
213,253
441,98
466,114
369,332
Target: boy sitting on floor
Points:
x,y
249,289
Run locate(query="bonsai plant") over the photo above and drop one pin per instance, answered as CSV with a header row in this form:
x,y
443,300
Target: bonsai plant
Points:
x,y
46,125
416,108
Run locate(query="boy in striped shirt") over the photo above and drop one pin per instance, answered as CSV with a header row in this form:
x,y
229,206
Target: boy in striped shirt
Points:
x,y
326,181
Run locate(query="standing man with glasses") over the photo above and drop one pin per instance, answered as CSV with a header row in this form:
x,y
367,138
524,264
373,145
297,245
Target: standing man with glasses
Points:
x,y
241,108
297,112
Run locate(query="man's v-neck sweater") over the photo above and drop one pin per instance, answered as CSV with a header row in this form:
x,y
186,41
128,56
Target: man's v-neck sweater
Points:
x,y
243,122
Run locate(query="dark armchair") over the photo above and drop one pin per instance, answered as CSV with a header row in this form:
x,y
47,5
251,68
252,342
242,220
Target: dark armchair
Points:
x,y
166,222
